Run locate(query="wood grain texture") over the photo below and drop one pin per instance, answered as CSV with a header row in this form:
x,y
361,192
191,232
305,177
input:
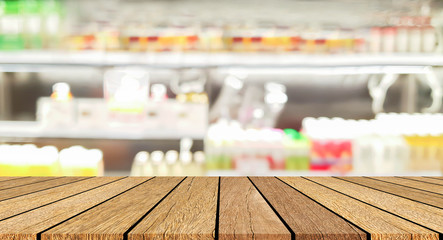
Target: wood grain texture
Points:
x,y
379,224
112,219
412,184
438,178
410,193
27,189
9,178
425,215
29,224
28,202
244,214
189,212
306,218
426,180
11,183
429,180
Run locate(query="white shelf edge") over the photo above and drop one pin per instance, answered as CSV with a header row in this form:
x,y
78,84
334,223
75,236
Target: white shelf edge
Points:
x,y
222,59
24,129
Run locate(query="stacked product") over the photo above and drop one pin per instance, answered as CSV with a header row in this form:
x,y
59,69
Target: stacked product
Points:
x,y
30,24
389,144
331,144
29,160
255,151
171,163
128,105
36,24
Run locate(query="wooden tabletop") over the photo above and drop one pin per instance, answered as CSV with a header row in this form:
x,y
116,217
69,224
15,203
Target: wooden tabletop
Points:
x,y
108,208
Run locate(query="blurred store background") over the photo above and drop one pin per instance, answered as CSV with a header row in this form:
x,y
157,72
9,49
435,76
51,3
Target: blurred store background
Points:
x,y
205,87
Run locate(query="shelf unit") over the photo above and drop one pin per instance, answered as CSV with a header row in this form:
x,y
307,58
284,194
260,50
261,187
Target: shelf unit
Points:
x,y
222,59
31,129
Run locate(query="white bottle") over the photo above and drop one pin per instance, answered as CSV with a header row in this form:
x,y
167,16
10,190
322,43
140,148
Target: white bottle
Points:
x,y
429,38
388,39
401,42
174,168
158,165
199,162
375,40
186,164
140,164
415,40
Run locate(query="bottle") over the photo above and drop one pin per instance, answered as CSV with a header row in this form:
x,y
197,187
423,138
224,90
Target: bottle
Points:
x,y
199,161
51,22
140,164
186,163
388,39
61,92
33,24
375,40
174,168
401,42
429,36
159,169
415,41
11,25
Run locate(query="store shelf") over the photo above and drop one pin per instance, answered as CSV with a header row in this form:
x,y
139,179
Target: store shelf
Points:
x,y
176,60
24,129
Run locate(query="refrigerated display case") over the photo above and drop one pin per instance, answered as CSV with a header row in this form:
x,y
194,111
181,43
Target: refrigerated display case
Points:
x,y
238,81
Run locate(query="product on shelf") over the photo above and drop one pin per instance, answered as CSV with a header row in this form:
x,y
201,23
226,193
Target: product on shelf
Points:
x,y
127,107
58,110
126,93
255,151
11,33
55,24
423,134
79,161
331,144
170,164
29,160
389,144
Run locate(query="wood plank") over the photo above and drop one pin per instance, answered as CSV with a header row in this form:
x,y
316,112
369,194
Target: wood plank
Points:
x,y
412,184
27,189
189,212
29,224
425,215
438,178
379,224
426,180
433,199
28,202
9,178
244,214
306,218
112,219
23,181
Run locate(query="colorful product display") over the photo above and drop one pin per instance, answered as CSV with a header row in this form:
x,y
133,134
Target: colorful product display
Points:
x,y
29,160
36,24
128,105
30,24
390,143
255,151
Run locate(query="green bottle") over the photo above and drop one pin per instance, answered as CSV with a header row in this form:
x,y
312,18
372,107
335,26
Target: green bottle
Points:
x,y
296,150
11,25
